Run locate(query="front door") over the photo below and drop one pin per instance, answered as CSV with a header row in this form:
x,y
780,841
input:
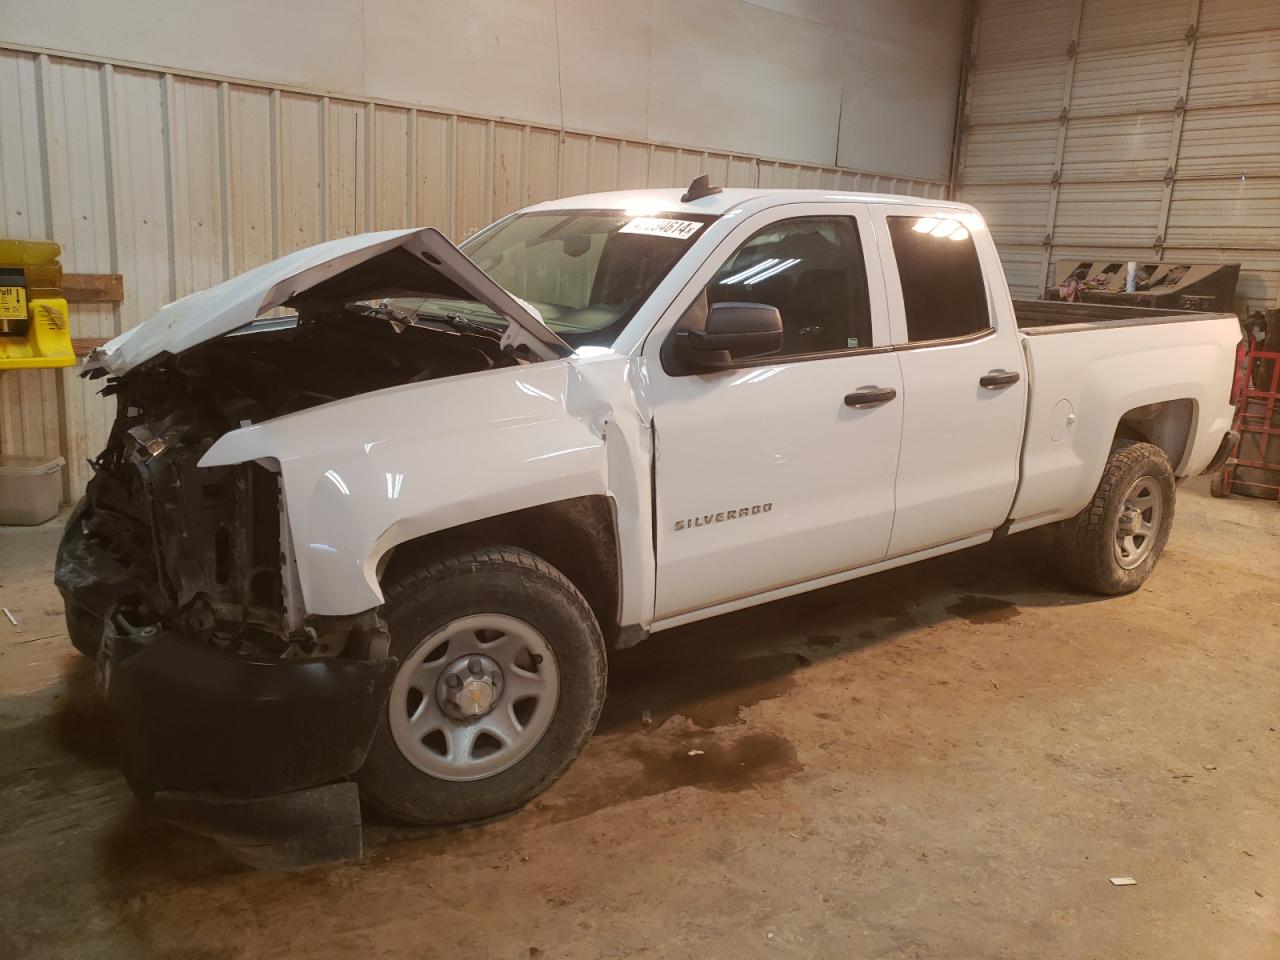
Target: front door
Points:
x,y
780,470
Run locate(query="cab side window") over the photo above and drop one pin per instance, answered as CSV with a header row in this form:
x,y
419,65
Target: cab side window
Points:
x,y
943,291
812,270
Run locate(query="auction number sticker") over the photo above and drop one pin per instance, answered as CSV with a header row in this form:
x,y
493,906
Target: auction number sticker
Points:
x,y
661,227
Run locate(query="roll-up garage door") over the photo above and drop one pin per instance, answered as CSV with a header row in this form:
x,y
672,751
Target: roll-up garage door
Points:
x,y
1126,129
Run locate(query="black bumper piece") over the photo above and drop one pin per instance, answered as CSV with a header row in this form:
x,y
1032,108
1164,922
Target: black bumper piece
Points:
x,y
288,832
245,751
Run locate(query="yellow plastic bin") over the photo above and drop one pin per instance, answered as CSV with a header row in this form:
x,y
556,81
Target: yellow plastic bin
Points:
x,y
30,489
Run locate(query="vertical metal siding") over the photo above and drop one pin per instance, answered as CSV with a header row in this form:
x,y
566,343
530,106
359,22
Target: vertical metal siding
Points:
x,y
1170,135
178,182
28,398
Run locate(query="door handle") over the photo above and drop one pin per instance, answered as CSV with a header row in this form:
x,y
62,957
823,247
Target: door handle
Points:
x,y
999,379
865,397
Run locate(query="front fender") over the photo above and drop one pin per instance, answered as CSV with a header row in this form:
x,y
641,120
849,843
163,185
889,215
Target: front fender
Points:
x,y
363,474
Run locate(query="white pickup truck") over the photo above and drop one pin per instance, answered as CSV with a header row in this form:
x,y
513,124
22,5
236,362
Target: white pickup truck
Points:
x,y
373,516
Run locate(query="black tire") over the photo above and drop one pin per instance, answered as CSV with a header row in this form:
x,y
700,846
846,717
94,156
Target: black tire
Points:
x,y
507,581
1218,486
1086,544
84,629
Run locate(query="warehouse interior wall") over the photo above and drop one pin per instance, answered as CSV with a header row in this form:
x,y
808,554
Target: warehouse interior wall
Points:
x,y
179,144
1125,130
826,82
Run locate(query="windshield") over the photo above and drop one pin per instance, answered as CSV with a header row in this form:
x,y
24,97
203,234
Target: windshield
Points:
x,y
585,271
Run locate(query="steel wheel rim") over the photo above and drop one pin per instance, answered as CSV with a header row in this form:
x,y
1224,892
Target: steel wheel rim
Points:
x,y
447,747
1138,524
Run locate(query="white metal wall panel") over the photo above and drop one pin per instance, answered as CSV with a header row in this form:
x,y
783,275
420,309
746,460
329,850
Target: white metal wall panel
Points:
x,y
1022,268
28,399
301,199
1011,153
1131,24
141,185
1126,80
249,185
21,179
1236,69
1016,214
345,151
1231,142
1118,148
1017,92
83,218
195,151
633,166
390,159
1241,212
178,182
1161,140
433,178
1024,31
1108,214
1238,16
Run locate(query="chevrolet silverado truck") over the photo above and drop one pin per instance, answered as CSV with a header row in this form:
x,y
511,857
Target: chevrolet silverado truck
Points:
x,y
373,517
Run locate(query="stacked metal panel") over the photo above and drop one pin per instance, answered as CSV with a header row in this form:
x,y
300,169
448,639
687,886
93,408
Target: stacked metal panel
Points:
x,y
1144,130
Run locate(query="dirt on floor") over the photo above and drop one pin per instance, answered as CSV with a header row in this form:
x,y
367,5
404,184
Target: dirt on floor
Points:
x,y
947,760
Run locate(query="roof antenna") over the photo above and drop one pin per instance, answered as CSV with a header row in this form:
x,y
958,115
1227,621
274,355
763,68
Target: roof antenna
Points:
x,y
701,187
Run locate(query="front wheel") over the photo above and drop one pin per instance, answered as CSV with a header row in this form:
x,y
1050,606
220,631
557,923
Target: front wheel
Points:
x,y
1112,545
500,685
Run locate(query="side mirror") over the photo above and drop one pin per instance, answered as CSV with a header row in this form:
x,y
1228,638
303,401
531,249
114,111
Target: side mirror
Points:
x,y
716,338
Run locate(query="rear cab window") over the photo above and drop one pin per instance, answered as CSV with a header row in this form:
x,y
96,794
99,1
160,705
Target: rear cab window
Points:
x,y
944,294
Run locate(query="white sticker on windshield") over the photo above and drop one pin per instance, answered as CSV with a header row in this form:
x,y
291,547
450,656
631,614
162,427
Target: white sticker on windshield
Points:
x,y
660,227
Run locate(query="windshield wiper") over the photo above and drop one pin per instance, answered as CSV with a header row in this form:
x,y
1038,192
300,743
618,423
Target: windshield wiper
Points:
x,y
412,317
457,322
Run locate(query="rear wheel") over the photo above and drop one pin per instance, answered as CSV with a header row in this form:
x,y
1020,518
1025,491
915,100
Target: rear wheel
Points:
x,y
500,685
1113,544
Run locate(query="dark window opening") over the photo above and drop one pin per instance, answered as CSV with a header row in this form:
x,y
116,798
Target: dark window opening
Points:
x,y
942,286
812,270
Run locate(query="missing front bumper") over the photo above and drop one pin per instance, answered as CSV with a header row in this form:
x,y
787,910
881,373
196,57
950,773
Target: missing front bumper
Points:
x,y
246,751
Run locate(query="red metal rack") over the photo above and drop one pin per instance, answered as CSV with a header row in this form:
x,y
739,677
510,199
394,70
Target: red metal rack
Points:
x,y
1254,465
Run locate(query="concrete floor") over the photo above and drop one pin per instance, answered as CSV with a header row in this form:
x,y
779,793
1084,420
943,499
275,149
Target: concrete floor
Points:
x,y
948,760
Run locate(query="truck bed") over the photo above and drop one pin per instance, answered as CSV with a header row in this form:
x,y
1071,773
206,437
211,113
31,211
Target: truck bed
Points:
x,y
1054,316
1117,359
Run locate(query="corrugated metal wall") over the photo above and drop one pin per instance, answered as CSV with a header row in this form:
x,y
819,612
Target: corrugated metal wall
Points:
x,y
1126,128
179,181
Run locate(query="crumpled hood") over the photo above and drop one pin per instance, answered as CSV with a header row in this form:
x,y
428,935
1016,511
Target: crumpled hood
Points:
x,y
439,268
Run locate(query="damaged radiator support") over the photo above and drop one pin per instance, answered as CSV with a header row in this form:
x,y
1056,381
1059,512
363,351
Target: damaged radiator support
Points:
x,y
202,546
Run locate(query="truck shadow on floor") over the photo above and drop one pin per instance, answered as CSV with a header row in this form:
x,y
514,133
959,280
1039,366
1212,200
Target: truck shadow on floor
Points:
x,y
708,671
703,676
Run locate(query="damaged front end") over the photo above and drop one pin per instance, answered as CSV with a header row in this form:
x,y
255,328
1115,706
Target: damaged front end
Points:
x,y
196,548
226,697
238,713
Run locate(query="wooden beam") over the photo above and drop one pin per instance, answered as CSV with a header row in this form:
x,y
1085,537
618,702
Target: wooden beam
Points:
x,y
83,346
93,287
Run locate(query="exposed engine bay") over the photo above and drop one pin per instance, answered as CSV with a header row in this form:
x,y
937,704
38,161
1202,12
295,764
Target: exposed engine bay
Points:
x,y
199,549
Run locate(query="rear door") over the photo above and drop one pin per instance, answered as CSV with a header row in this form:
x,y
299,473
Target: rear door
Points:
x,y
963,378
